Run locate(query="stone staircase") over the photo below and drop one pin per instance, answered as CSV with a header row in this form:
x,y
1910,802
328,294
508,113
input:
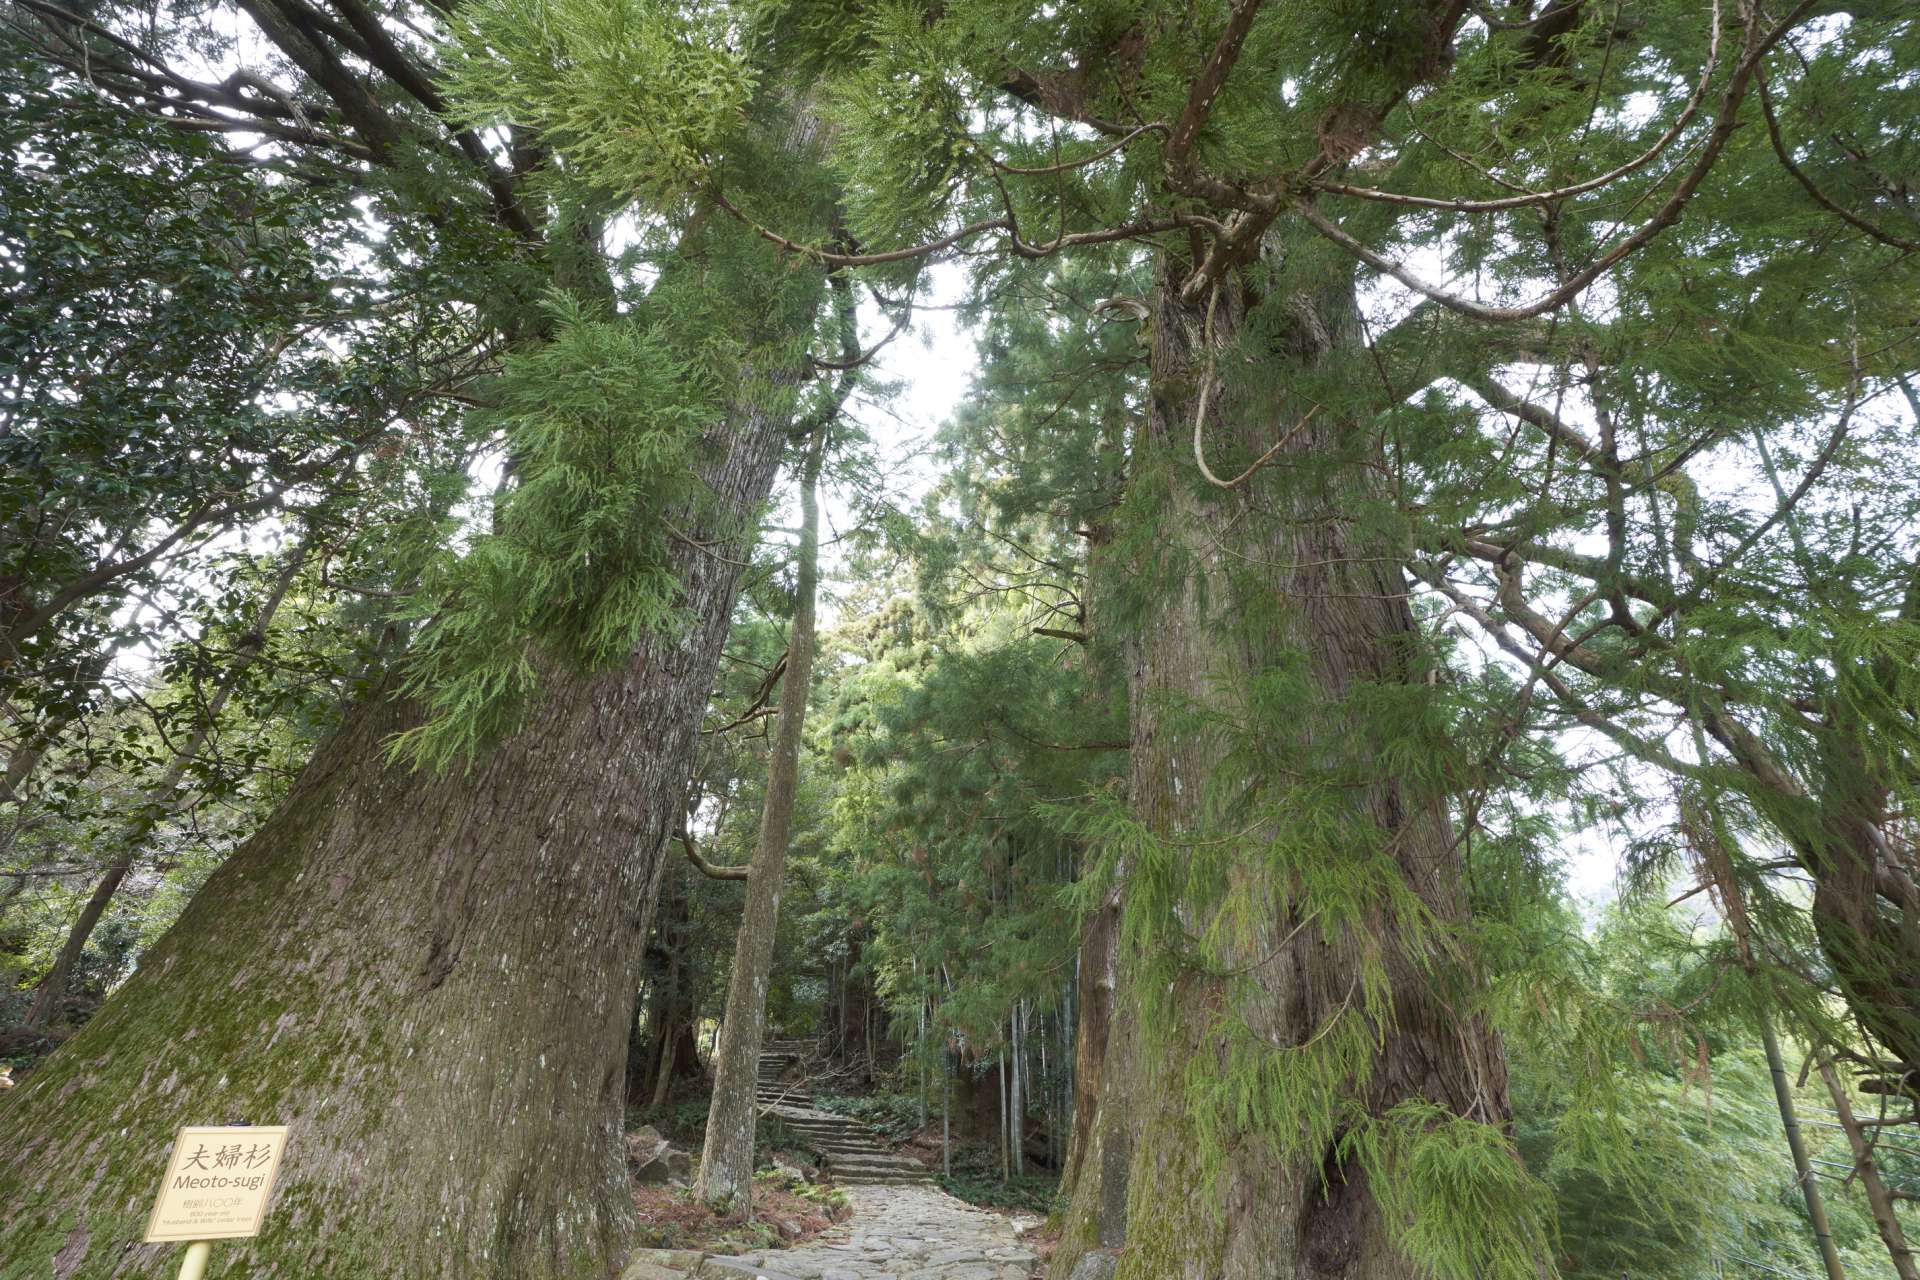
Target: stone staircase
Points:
x,y
853,1154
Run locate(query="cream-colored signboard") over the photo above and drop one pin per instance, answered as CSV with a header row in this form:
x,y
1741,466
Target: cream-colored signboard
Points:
x,y
217,1183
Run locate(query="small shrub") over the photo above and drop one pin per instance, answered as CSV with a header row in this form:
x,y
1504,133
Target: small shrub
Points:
x,y
894,1115
976,1179
772,1134
1035,1191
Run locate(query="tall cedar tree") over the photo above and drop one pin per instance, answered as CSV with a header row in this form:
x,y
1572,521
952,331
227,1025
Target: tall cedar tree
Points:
x,y
425,960
1301,1029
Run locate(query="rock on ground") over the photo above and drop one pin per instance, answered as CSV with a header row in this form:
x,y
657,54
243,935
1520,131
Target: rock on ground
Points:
x,y
896,1233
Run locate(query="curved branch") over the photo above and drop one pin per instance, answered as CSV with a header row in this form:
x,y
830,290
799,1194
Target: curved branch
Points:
x,y
1820,197
1200,417
1668,214
701,865
1066,166
1023,248
1641,161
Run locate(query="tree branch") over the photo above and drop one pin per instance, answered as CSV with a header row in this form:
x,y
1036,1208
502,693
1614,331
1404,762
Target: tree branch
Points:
x,y
701,865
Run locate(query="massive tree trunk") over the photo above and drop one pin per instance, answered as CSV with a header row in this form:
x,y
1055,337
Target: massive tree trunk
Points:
x,y
1272,910
429,976
726,1159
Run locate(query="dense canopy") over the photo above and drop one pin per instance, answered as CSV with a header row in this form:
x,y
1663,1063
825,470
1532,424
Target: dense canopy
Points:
x,y
1376,738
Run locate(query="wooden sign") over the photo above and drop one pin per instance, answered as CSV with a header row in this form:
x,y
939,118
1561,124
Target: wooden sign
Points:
x,y
217,1183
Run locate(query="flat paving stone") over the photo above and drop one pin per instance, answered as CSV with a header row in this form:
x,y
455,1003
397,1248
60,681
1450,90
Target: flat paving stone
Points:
x,y
910,1233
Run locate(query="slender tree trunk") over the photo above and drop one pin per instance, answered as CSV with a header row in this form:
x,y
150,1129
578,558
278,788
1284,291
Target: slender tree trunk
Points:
x,y
726,1159
428,976
1276,581
1885,1219
663,1083
1005,1158
161,802
1016,1100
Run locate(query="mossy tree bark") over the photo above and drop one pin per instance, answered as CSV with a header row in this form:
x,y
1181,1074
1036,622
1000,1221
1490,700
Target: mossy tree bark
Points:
x,y
726,1158
430,977
1274,576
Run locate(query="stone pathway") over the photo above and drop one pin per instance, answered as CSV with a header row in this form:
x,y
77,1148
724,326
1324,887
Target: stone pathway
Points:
x,y
902,1228
896,1233
853,1154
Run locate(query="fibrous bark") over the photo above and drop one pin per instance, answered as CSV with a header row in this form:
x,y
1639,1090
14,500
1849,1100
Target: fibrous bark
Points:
x,y
428,976
1273,572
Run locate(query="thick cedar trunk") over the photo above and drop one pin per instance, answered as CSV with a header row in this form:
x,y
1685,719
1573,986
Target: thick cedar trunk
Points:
x,y
1097,968
428,976
1271,571
1864,928
726,1159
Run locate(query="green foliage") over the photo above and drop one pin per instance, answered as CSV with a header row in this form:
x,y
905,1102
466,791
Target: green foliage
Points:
x,y
639,96
976,1179
601,423
895,1116
903,141
164,357
1461,1202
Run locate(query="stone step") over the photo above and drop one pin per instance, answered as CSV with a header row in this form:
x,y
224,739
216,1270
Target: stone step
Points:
x,y
834,1137
872,1159
853,1177
809,1123
878,1180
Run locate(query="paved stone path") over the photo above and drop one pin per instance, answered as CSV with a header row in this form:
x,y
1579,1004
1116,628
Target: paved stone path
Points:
x,y
853,1154
896,1233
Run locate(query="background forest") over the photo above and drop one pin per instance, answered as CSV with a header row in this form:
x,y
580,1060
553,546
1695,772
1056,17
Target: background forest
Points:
x,y
1376,737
